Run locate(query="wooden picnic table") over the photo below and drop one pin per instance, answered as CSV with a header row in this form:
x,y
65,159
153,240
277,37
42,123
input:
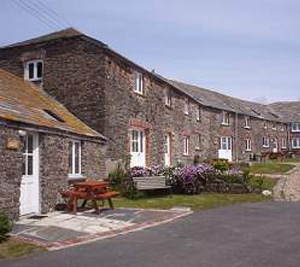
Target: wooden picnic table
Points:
x,y
92,190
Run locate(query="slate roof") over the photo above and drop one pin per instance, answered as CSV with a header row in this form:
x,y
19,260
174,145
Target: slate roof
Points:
x,y
220,101
290,110
23,102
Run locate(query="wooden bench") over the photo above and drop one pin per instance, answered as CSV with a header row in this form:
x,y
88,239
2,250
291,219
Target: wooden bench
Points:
x,y
151,183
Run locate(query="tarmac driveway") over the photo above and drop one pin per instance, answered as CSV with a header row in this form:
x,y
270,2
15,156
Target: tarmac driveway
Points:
x,y
264,234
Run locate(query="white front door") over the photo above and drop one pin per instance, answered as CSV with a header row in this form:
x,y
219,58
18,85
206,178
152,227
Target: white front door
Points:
x,y
275,148
225,149
29,197
137,148
167,144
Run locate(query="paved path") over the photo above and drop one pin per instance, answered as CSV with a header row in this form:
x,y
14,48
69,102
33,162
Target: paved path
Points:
x,y
261,235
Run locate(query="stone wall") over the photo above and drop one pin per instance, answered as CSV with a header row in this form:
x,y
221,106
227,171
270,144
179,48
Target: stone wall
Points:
x,y
10,173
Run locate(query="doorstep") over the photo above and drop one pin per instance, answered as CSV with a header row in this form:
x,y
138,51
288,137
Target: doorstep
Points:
x,y
59,230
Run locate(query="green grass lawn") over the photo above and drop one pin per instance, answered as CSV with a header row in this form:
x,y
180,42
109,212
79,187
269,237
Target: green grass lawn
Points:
x,y
291,160
271,167
13,248
196,202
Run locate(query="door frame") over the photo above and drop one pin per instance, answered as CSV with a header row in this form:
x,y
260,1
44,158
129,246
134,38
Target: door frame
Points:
x,y
229,141
36,173
168,146
144,144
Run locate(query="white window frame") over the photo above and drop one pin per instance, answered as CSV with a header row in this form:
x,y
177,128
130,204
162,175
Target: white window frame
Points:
x,y
139,83
296,128
198,113
267,143
248,143
283,143
274,126
168,97
297,146
247,122
186,107
198,142
186,145
35,70
73,174
225,118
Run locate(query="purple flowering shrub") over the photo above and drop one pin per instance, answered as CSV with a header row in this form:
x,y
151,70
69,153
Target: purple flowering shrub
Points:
x,y
190,179
143,171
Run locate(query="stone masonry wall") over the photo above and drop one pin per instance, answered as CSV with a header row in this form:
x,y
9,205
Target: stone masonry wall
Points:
x,y
10,174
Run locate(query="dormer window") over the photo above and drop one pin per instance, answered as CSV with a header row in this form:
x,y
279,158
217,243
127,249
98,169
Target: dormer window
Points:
x,y
274,126
139,83
33,70
225,118
247,122
167,97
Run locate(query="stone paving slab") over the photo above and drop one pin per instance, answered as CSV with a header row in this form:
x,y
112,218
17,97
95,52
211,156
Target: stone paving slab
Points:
x,y
59,230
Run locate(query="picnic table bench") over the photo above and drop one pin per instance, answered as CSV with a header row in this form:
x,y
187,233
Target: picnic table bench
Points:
x,y
92,190
151,183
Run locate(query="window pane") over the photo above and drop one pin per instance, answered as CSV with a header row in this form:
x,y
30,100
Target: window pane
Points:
x,y
30,143
39,69
24,165
30,165
229,143
70,157
141,141
76,158
31,70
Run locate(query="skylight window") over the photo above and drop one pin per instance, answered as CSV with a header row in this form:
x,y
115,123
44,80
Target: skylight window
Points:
x,y
54,115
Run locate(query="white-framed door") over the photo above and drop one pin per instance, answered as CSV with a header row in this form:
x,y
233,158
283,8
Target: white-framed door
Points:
x,y
29,195
275,147
167,148
137,148
225,149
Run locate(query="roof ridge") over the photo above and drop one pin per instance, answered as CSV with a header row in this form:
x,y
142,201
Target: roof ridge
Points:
x,y
64,33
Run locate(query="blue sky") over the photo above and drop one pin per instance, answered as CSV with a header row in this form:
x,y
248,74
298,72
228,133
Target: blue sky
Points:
x,y
247,49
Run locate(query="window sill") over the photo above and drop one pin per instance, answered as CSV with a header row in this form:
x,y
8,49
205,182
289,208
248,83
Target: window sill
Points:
x,y
197,148
139,94
295,131
75,176
247,127
185,155
34,79
266,146
225,124
168,106
248,150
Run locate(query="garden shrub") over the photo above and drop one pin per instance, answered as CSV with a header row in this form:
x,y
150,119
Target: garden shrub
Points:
x,y
5,226
221,166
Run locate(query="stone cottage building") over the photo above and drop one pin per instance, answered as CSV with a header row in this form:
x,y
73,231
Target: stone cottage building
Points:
x,y
291,112
42,147
154,119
